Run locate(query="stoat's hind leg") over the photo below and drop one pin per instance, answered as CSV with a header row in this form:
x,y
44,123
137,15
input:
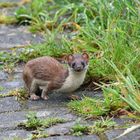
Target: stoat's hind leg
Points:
x,y
45,90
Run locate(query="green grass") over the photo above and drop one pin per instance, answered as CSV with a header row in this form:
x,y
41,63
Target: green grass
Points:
x,y
53,48
79,129
105,30
38,135
34,123
4,19
89,107
121,96
127,88
98,127
102,125
8,4
1,88
19,93
93,108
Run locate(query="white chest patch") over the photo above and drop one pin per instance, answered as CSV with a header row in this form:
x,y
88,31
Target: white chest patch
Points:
x,y
73,81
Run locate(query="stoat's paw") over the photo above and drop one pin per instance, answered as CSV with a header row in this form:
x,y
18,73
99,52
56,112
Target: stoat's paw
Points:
x,y
44,97
34,97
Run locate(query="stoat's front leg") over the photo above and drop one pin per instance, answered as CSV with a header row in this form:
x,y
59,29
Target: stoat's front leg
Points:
x,y
33,89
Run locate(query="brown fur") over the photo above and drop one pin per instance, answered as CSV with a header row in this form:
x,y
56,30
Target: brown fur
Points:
x,y
47,69
48,74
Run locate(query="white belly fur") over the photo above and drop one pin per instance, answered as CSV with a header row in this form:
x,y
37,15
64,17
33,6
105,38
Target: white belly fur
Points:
x,y
73,81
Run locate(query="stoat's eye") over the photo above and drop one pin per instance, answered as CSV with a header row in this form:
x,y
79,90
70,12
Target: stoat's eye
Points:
x,y
73,65
83,64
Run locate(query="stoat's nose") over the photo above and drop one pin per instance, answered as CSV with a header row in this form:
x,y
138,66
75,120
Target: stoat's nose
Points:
x,y
78,68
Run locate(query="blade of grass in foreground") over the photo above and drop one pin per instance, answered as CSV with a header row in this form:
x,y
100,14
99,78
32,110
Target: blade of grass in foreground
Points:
x,y
129,89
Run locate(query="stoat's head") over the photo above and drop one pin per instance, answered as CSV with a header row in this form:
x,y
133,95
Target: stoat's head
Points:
x,y
78,62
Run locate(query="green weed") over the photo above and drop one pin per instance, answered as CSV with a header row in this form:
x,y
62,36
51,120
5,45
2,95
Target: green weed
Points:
x,y
15,92
79,129
7,19
8,4
102,125
53,48
38,135
34,123
20,93
50,48
127,88
123,94
104,29
1,88
52,121
92,108
89,107
98,127
111,104
5,95
34,14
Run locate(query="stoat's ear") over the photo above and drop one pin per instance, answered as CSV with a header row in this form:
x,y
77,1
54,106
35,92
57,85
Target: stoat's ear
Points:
x,y
85,56
70,58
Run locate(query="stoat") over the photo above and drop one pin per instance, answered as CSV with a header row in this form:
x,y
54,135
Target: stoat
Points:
x,y
48,74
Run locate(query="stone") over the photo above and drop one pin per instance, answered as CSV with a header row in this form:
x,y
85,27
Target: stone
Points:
x,y
88,137
92,94
9,104
60,129
12,84
3,75
14,134
8,11
122,121
54,110
17,36
111,134
10,1
12,119
17,76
